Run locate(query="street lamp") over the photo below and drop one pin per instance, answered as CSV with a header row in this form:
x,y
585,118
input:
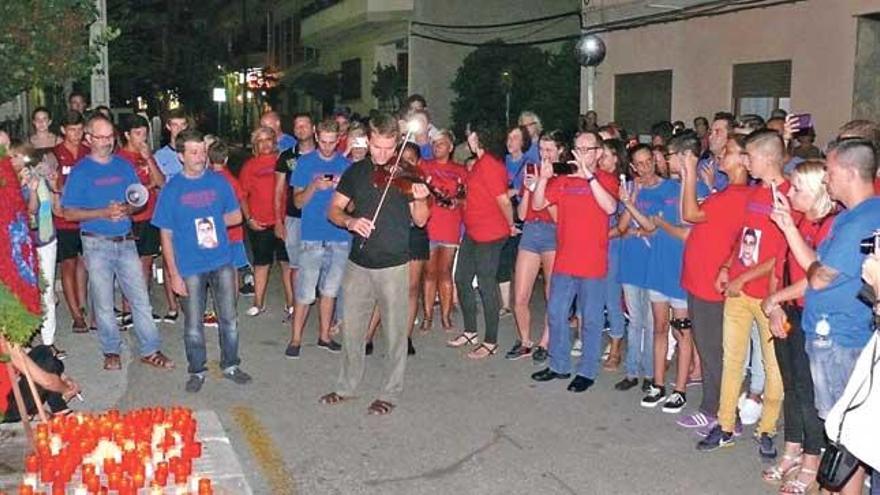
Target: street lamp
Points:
x,y
219,98
507,85
590,52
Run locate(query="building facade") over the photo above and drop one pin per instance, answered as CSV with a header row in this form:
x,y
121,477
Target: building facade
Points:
x,y
689,58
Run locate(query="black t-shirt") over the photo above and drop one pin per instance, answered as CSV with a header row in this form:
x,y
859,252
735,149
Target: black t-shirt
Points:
x,y
286,164
388,245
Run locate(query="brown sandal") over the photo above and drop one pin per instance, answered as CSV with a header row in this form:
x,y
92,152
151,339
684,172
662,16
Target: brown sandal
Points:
x,y
331,398
158,360
112,362
426,324
380,408
483,351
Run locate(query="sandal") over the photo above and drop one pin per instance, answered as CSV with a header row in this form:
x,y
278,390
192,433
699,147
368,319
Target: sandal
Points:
x,y
776,473
380,408
112,362
463,338
798,486
79,325
426,325
331,398
158,360
483,351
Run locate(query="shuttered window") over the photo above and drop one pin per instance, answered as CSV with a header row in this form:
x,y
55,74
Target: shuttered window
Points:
x,y
642,99
760,87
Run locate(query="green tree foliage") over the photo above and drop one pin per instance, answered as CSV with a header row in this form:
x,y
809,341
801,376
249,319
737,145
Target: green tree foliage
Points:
x,y
44,43
544,82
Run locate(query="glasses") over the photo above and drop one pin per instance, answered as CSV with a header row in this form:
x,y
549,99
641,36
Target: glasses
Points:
x,y
587,149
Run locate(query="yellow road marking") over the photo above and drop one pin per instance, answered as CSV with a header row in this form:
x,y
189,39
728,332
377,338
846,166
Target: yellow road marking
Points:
x,y
265,451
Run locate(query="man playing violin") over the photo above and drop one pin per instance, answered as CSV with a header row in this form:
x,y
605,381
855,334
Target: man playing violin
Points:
x,y
377,270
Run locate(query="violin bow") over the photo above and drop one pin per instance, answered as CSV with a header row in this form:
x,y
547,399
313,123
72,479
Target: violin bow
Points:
x,y
394,168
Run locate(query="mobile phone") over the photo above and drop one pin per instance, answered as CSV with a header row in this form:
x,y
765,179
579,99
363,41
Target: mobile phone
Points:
x,y
531,169
804,120
563,168
329,176
773,192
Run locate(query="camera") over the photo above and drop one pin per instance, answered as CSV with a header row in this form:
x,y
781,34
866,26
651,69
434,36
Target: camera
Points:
x,y
871,245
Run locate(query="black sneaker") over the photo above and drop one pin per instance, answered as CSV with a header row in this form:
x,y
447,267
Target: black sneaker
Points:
x,y
654,397
292,352
236,375
330,346
120,315
59,353
716,439
646,384
369,348
157,318
626,384
171,317
766,448
247,290
126,322
410,350
580,384
539,355
194,384
675,402
546,374
518,351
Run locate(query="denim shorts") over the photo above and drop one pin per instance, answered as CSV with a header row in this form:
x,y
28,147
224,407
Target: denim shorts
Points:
x,y
239,255
321,268
830,367
659,297
293,225
538,237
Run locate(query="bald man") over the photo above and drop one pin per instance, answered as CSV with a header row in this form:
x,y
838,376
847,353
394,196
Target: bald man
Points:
x,y
273,121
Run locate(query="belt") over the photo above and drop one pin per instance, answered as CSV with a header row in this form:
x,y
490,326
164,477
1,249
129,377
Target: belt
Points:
x,y
113,238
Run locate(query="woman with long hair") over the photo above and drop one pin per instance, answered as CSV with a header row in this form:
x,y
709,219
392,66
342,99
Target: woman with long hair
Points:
x,y
43,139
537,247
804,230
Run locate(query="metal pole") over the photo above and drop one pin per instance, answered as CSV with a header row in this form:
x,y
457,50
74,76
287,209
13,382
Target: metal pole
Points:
x,y
591,88
507,108
100,73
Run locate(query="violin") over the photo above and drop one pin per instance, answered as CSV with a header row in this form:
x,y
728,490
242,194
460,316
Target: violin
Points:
x,y
407,173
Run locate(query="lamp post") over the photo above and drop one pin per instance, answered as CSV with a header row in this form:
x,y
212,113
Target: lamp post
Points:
x,y
219,98
590,52
507,85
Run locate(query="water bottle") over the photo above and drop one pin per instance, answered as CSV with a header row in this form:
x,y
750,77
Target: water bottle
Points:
x,y
823,331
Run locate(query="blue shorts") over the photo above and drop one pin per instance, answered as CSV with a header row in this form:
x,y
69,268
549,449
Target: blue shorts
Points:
x,y
830,367
538,237
293,226
239,255
659,297
321,268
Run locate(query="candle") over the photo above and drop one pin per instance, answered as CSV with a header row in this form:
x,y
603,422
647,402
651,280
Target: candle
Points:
x,y
80,490
31,464
205,487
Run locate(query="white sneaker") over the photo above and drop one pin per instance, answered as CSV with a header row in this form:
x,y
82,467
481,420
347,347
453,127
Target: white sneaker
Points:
x,y
749,410
254,311
578,348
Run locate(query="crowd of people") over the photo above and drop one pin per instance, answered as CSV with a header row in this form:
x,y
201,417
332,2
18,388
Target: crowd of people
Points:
x,y
734,249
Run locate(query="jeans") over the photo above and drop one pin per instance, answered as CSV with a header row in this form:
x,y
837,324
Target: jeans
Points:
x,y
639,333
612,292
222,282
740,313
46,255
293,226
321,267
480,259
755,363
831,367
106,260
363,289
563,289
802,424
708,318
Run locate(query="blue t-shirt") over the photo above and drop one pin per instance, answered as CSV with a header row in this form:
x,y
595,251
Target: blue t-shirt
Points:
x,y
92,185
192,209
849,318
286,142
168,161
667,252
516,170
532,154
315,225
635,251
426,151
708,161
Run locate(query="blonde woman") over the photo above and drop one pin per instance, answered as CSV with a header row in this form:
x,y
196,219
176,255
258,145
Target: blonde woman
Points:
x,y
804,230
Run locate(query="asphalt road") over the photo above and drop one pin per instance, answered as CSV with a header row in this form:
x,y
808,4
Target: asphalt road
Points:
x,y
462,427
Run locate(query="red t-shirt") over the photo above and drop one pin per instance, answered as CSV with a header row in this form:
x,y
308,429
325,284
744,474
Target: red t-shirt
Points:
x,y
66,162
142,169
531,214
877,186
582,228
759,240
483,219
444,224
235,232
708,244
813,233
5,388
258,184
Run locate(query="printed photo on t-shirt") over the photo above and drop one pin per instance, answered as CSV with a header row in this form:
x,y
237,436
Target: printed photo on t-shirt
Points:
x,y
206,233
750,246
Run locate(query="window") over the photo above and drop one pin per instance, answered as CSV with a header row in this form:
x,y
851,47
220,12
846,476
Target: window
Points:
x,y
403,67
759,88
642,99
351,79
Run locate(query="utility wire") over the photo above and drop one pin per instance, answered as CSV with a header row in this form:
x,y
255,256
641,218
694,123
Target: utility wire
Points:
x,y
498,25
